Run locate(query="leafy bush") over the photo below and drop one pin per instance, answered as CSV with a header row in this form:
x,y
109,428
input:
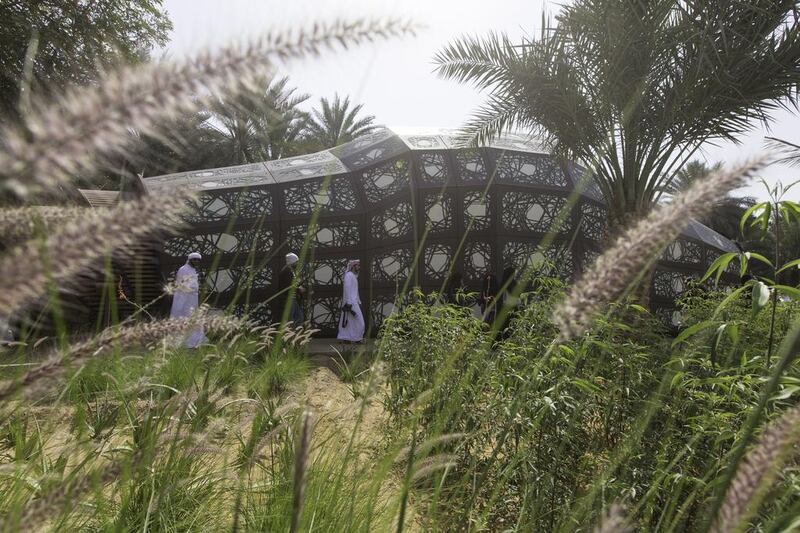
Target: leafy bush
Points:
x,y
555,432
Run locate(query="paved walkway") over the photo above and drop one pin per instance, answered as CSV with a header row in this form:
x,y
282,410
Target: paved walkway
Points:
x,y
326,352
331,346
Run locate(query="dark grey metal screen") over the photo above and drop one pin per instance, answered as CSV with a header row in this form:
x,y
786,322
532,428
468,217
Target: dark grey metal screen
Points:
x,y
413,208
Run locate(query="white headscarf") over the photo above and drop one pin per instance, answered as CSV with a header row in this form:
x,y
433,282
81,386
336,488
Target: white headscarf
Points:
x,y
193,255
291,259
350,264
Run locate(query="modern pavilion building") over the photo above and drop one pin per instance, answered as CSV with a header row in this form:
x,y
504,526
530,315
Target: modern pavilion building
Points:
x,y
413,208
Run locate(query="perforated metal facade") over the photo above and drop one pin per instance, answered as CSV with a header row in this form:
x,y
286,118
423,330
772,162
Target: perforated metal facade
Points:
x,y
411,207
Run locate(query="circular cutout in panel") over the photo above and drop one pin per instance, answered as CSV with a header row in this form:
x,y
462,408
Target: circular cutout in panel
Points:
x,y
325,236
323,274
535,213
227,242
384,181
476,210
222,280
391,265
217,208
392,227
436,212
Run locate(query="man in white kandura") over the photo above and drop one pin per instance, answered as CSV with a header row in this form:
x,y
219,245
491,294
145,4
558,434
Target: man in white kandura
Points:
x,y
186,298
351,323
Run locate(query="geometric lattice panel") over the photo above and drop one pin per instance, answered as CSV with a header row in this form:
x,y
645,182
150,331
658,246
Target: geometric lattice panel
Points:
x,y
668,284
226,205
381,307
325,235
438,258
433,168
328,271
477,259
683,251
231,279
393,222
385,180
555,260
325,312
209,244
471,166
530,169
439,212
529,211
392,265
477,211
593,221
307,197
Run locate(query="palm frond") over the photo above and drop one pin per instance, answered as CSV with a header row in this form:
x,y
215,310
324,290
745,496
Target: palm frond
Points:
x,y
788,152
482,62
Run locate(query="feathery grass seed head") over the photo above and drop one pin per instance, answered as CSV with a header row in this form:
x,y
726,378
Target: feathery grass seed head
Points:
x,y
757,471
28,270
66,137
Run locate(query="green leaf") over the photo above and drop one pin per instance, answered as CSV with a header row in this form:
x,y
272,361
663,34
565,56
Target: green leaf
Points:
x,y
733,335
792,292
747,214
719,266
790,264
692,330
586,386
759,257
716,341
732,296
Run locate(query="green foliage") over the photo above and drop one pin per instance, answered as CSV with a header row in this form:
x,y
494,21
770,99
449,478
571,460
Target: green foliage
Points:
x,y
632,89
425,344
262,123
45,46
555,433
100,376
272,376
340,495
336,123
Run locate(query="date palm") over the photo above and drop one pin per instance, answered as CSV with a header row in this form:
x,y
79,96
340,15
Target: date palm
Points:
x,y
633,88
263,123
337,122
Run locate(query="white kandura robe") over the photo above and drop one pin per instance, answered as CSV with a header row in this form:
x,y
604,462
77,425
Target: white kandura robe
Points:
x,y
186,300
354,330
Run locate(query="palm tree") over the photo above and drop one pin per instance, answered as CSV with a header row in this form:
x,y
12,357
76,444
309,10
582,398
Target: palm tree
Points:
x,y
727,212
337,123
632,88
262,124
790,152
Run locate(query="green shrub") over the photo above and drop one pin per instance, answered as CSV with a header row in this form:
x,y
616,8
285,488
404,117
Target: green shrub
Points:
x,y
274,375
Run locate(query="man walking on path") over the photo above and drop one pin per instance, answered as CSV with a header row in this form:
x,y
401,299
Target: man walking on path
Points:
x,y
351,323
186,298
291,292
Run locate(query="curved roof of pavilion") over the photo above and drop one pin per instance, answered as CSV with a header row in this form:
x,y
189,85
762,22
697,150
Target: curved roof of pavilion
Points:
x,y
381,145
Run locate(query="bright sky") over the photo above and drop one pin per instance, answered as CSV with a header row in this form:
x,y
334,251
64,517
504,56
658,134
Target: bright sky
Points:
x,y
394,79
